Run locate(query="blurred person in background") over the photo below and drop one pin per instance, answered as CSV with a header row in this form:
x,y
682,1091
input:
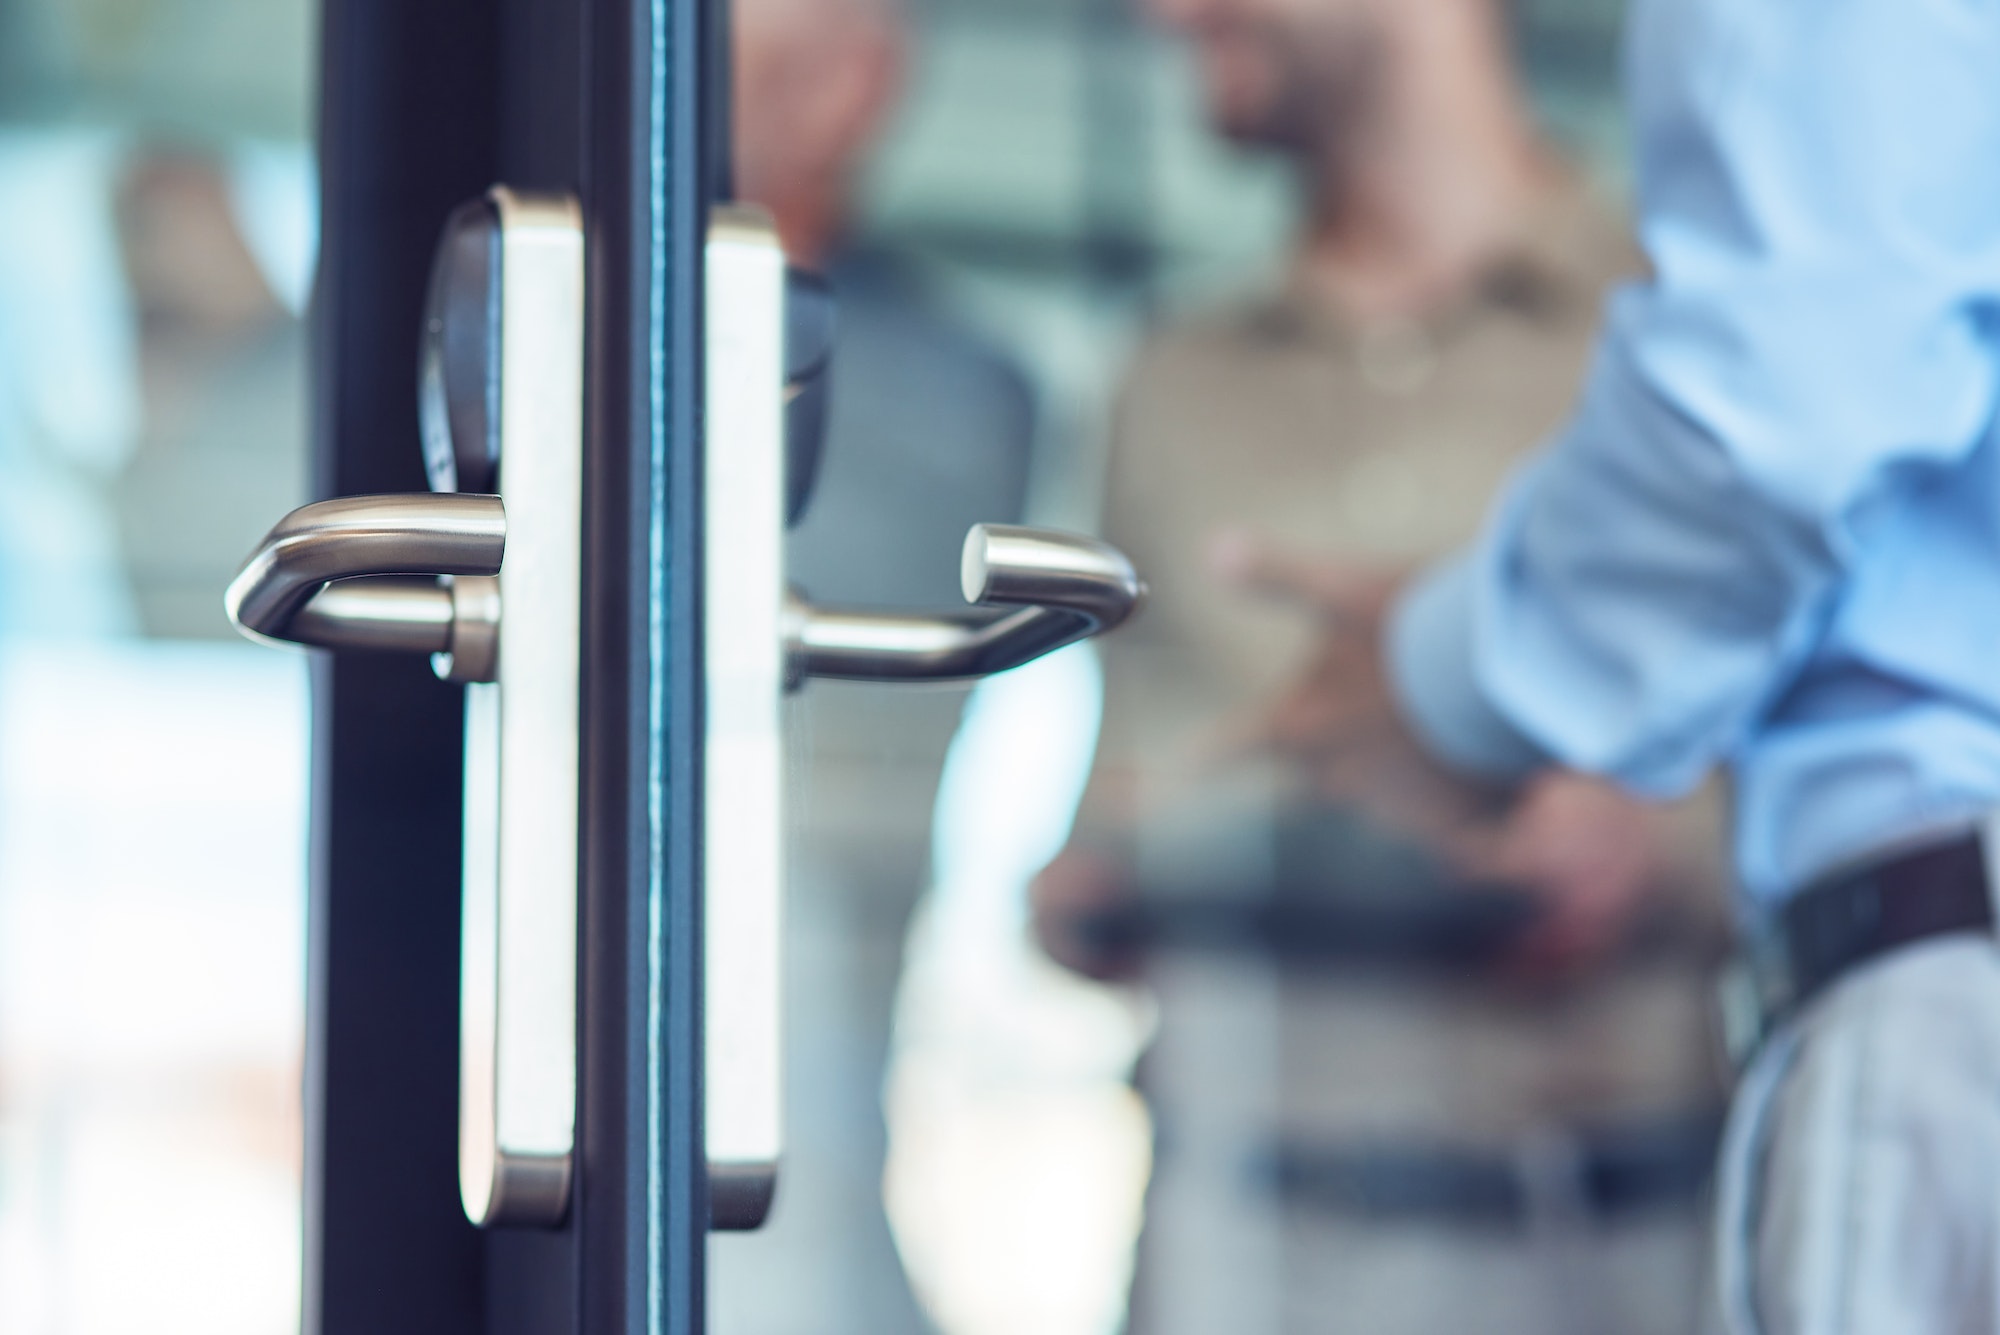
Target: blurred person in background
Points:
x,y
1767,539
928,431
153,164
1484,1091
929,426
187,119
220,374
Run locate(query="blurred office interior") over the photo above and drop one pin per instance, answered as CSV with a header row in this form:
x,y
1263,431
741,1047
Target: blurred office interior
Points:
x,y
969,1151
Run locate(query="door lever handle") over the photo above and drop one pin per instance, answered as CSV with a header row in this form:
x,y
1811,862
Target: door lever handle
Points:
x,y
1030,591
1033,591
360,572
501,408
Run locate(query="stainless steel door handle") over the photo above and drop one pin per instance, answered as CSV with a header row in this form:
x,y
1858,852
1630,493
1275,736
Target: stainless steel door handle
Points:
x,y
501,410
360,572
1062,587
1032,591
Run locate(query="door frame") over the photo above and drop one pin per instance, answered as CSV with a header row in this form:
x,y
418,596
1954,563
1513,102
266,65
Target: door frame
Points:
x,y
423,104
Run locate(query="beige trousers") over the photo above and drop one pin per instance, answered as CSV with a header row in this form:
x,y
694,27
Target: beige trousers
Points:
x,y
1860,1182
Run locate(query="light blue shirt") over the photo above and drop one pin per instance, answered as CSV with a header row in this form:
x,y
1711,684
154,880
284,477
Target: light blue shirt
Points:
x,y
1770,536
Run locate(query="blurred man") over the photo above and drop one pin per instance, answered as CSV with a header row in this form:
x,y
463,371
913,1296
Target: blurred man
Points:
x,y
221,367
929,428
1454,1108
928,432
1767,538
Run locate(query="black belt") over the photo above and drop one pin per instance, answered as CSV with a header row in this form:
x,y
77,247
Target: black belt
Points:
x,y
1853,916
1608,1173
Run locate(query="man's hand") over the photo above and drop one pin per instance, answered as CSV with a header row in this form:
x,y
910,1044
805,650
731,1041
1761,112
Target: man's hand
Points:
x,y
1338,721
1593,857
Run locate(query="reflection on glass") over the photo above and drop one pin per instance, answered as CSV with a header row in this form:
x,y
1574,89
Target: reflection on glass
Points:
x,y
156,243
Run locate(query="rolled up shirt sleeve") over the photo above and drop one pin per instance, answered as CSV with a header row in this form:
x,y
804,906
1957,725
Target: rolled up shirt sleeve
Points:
x,y
1820,198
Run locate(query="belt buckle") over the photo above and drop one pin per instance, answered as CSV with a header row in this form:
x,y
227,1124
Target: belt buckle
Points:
x,y
1989,853
1753,993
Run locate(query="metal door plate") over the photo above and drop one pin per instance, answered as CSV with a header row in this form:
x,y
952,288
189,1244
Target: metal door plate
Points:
x,y
517,1053
744,643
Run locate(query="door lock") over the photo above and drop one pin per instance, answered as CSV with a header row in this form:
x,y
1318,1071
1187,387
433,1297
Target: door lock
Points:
x,y
484,573
1032,591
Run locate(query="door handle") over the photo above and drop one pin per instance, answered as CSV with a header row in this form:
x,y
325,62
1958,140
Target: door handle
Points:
x,y
492,590
1060,587
409,573
1031,591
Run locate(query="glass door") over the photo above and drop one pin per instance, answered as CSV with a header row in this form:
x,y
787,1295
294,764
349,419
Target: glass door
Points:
x,y
1102,1011
707,874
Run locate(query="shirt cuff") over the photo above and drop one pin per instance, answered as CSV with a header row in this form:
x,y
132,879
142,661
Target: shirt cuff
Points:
x,y
1433,674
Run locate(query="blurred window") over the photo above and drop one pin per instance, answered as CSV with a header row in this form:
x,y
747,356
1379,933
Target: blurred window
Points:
x,y
156,249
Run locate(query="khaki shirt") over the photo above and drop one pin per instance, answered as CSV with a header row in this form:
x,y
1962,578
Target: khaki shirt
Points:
x,y
1282,421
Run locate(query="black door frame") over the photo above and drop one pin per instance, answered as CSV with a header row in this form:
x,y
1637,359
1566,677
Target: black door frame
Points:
x,y
425,103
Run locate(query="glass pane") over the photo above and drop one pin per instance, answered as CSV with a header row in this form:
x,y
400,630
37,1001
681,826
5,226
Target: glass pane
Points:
x,y
156,248
1157,271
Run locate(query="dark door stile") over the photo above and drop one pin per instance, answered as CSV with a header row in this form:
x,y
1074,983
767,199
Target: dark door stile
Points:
x,y
425,103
